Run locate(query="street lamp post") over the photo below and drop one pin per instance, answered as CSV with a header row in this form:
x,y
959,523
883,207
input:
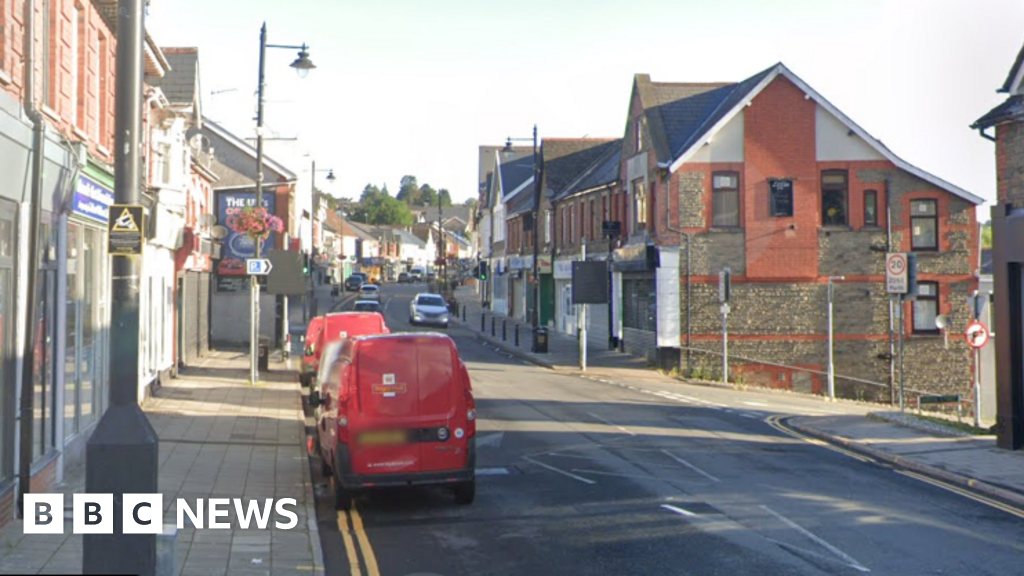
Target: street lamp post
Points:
x,y
831,364
535,316
302,65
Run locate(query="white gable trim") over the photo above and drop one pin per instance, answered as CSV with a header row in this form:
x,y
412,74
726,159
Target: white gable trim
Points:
x,y
780,69
249,150
519,189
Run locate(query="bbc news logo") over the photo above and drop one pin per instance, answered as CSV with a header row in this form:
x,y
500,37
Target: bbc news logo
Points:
x,y
143,513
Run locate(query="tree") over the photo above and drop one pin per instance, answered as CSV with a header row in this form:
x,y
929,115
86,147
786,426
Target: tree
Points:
x,y
471,202
392,212
986,235
428,196
445,196
370,192
409,192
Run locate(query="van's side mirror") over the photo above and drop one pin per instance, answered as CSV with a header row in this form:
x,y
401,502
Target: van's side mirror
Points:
x,y
314,399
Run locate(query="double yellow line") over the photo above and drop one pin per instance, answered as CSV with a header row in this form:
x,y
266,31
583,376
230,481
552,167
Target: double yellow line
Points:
x,y
350,523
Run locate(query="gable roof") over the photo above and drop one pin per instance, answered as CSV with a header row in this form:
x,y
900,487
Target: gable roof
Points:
x,y
603,171
733,102
521,202
234,161
362,231
409,238
1013,81
181,82
564,159
460,211
514,175
1011,109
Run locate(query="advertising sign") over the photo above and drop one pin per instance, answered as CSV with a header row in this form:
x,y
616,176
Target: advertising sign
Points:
x,y
239,247
92,200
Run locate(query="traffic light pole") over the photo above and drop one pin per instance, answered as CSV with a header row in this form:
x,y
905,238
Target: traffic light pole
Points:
x,y
122,453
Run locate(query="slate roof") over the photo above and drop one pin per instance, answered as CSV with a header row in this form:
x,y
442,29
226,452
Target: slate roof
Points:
x,y
181,83
1011,109
1008,83
421,231
515,173
486,161
566,158
681,117
409,238
460,211
986,261
604,170
520,203
234,161
362,231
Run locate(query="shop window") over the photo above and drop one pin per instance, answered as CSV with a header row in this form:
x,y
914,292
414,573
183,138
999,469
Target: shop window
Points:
x,y
926,308
834,193
639,305
870,208
924,224
725,199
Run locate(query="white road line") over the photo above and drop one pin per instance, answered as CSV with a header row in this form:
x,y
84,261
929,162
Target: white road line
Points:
x,y
842,555
630,432
559,471
690,466
747,415
388,302
678,510
755,404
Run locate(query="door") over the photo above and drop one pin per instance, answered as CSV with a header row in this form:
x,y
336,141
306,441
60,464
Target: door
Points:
x,y
7,323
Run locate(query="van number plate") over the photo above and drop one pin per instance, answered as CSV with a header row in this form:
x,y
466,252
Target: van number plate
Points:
x,y
383,437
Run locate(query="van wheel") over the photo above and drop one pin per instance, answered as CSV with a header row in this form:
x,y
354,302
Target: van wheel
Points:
x,y
342,497
465,492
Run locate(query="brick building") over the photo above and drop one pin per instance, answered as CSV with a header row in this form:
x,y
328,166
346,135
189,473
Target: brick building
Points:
x,y
767,178
1007,122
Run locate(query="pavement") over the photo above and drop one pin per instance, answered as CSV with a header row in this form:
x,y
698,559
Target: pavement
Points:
x,y
219,437
965,461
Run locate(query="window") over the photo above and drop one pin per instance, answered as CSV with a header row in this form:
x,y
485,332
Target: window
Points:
x,y
926,308
780,198
725,199
639,206
833,198
102,93
870,208
924,224
594,224
79,65
638,132
548,221
639,305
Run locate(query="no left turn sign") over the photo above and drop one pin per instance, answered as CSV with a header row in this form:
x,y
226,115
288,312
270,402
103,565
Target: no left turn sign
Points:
x,y
977,334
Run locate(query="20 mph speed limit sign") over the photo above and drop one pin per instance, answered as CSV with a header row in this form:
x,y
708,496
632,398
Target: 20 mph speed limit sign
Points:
x,y
977,334
896,273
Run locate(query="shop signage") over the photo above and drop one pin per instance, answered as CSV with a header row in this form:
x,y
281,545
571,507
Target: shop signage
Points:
x,y
239,247
92,200
637,258
124,231
589,283
520,262
544,264
232,283
563,269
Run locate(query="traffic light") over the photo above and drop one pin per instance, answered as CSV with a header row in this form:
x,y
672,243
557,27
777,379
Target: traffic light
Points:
x,y
482,272
911,276
305,264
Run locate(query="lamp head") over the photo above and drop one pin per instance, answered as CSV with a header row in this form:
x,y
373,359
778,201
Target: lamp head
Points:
x,y
508,146
331,177
303,64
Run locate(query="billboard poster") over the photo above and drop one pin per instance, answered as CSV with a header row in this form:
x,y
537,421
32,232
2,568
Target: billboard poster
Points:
x,y
238,247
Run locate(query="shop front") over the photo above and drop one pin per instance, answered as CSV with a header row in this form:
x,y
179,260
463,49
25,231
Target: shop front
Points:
x,y
565,310
547,290
635,299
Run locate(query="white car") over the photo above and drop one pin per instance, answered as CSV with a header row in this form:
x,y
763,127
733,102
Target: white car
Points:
x,y
428,309
369,292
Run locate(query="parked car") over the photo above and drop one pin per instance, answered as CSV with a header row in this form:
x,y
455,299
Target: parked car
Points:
x,y
339,326
428,309
404,278
367,306
396,410
353,282
369,292
308,369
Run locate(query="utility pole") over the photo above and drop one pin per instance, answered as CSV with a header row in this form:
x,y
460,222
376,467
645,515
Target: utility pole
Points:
x,y
831,342
122,453
583,313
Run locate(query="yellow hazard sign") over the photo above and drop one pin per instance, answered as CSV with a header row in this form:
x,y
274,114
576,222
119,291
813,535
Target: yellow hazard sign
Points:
x,y
125,222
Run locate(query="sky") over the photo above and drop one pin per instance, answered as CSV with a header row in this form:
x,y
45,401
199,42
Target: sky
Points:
x,y
416,86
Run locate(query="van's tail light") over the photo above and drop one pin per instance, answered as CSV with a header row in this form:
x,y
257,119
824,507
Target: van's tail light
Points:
x,y
470,414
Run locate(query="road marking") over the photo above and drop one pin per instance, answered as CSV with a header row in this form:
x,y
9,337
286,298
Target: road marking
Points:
x,y
776,423
559,471
678,510
690,466
630,432
364,543
843,555
755,404
492,471
350,549
964,492
388,302
748,415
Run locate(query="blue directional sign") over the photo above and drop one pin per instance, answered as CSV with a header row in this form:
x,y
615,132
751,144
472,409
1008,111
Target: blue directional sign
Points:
x,y
257,266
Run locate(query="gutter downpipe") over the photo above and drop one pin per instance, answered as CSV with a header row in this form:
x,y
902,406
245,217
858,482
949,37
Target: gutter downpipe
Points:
x,y
682,234
35,205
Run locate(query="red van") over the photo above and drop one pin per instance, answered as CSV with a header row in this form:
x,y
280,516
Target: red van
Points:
x,y
309,351
336,326
397,410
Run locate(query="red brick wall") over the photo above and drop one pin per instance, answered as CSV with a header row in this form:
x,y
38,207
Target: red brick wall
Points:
x,y
779,141
95,123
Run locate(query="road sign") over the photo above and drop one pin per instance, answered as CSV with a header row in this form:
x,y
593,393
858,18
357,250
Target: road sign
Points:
x,y
257,266
287,277
125,223
977,334
896,273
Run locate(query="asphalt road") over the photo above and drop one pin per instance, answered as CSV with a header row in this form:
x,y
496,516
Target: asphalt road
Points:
x,y
577,476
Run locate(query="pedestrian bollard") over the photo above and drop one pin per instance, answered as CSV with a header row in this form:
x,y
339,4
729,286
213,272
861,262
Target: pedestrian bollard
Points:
x,y
504,333
483,321
463,313
492,326
516,328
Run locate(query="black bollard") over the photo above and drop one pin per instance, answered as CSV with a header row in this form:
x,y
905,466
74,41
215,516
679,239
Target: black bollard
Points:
x,y
492,326
483,322
504,333
516,328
